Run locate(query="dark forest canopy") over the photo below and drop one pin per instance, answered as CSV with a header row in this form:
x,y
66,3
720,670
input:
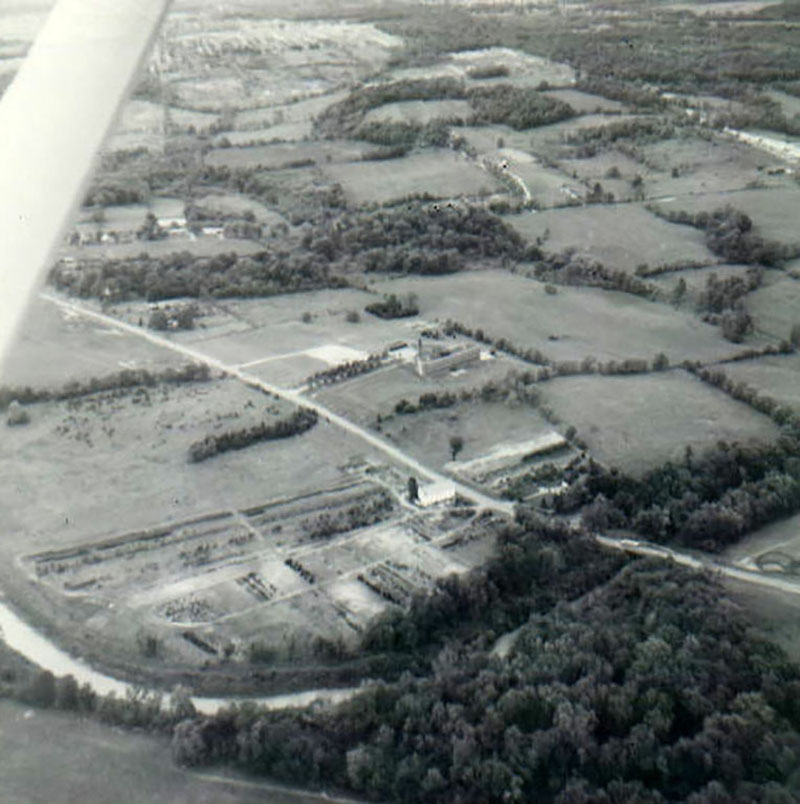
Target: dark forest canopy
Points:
x,y
648,687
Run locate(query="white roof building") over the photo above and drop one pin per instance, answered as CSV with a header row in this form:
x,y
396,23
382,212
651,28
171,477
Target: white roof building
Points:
x,y
437,492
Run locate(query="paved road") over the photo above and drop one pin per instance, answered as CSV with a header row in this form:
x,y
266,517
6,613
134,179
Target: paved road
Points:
x,y
390,450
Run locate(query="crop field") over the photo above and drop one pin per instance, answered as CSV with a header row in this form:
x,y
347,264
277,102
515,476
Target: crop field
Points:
x,y
280,155
778,377
620,237
639,422
54,347
574,323
88,761
420,111
773,211
439,172
776,307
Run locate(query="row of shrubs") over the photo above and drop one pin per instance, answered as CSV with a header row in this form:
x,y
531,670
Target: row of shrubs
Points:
x,y
299,422
359,515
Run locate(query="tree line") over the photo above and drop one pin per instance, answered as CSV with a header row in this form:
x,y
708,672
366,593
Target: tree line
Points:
x,y
119,380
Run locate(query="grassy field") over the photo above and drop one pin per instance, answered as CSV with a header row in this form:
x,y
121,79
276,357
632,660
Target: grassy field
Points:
x,y
420,111
776,307
53,348
439,172
204,246
696,278
239,205
574,323
278,156
620,237
774,210
778,377
141,115
586,102
59,758
361,399
129,217
638,422
134,451
783,535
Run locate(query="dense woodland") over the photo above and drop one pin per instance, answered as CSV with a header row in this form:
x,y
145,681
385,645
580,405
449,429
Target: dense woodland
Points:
x,y
629,681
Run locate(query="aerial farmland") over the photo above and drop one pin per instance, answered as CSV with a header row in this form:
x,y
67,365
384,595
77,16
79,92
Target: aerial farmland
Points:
x,y
361,295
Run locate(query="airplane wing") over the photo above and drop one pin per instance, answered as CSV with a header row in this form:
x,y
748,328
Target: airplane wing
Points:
x,y
53,119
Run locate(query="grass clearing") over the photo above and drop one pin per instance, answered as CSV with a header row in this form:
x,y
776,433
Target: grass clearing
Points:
x,y
282,156
54,347
438,172
621,237
203,246
574,323
773,211
91,762
637,423
422,112
778,377
776,307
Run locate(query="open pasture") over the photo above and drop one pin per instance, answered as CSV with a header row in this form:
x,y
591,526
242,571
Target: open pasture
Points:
x,y
238,206
552,141
776,307
571,325
127,218
422,112
201,246
586,102
146,116
438,172
283,156
363,398
775,376
132,449
301,112
695,279
125,766
54,347
773,210
638,422
284,132
482,425
548,187
621,237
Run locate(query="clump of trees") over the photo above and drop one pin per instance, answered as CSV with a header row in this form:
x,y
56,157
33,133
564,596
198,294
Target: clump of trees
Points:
x,y
516,107
427,401
393,306
707,501
488,71
180,316
299,422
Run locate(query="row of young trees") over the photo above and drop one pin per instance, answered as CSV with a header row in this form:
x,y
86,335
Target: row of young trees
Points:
x,y
629,681
119,380
299,422
358,515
